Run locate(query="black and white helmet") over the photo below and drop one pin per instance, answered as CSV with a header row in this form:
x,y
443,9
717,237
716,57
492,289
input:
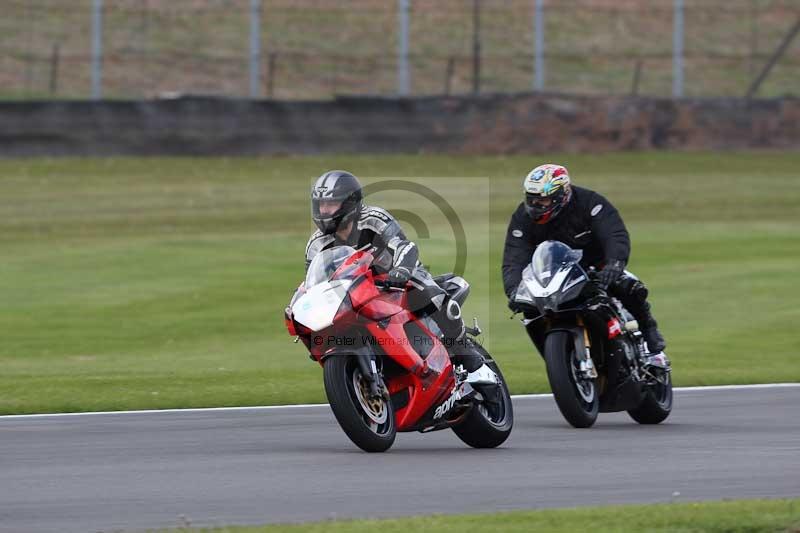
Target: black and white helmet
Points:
x,y
336,186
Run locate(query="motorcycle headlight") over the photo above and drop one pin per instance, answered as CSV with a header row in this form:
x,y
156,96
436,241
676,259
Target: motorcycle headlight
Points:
x,y
548,303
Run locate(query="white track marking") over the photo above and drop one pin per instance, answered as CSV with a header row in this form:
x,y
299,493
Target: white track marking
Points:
x,y
691,389
734,387
710,388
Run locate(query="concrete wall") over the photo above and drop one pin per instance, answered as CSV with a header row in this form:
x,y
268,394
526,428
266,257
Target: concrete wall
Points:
x,y
497,124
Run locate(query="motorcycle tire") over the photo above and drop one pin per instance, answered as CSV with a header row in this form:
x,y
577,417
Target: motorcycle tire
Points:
x,y
488,425
657,404
560,357
370,424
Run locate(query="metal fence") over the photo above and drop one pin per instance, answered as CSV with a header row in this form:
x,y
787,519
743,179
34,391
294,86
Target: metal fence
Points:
x,y
311,49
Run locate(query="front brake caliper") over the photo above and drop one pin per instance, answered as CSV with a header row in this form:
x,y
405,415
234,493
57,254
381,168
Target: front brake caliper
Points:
x,y
587,368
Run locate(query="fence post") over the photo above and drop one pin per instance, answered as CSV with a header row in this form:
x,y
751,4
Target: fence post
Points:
x,y
55,56
29,48
476,46
448,75
637,76
677,50
255,48
271,73
538,45
97,49
403,77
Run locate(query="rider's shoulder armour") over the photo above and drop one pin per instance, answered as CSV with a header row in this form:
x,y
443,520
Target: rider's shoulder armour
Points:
x,y
316,243
375,219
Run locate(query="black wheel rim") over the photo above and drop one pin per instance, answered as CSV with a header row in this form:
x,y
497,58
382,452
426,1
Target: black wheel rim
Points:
x,y
662,389
495,413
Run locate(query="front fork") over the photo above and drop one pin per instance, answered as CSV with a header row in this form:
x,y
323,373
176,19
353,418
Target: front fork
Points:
x,y
377,388
587,367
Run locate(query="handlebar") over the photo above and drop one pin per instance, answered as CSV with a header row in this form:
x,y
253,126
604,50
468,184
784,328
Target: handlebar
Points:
x,y
386,286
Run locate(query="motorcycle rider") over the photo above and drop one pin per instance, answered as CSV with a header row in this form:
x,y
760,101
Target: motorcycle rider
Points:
x,y
342,219
554,209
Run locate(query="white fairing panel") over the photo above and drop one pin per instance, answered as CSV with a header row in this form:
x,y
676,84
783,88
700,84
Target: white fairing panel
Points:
x,y
552,287
317,308
523,294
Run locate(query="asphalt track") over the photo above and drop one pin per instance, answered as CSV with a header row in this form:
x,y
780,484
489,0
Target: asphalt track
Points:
x,y
106,472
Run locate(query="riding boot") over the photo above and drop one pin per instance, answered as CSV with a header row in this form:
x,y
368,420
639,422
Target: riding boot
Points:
x,y
460,347
647,323
633,295
465,352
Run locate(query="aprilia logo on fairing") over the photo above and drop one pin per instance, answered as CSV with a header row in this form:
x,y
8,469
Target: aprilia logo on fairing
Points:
x,y
448,404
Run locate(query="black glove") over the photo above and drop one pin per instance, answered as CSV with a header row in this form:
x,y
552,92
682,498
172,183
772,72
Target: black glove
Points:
x,y
398,277
610,273
514,306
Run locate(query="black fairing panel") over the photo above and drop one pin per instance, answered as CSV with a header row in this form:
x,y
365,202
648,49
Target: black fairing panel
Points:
x,y
419,339
455,286
627,395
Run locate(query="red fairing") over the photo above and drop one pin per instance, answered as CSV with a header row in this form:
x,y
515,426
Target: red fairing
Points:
x,y
378,318
290,325
363,291
383,306
614,328
287,313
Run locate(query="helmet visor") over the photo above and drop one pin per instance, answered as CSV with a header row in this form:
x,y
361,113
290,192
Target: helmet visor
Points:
x,y
541,205
539,202
326,208
328,212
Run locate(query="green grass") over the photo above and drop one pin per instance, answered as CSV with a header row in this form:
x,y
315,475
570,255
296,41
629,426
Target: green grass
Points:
x,y
157,283
743,516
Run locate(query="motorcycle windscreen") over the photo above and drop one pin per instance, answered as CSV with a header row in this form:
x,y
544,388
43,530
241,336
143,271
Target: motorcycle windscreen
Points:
x,y
325,264
523,293
551,257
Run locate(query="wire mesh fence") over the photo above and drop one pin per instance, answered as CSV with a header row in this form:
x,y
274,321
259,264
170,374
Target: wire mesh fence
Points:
x,y
315,49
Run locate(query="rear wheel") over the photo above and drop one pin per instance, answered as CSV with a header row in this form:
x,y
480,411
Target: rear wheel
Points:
x,y
368,422
488,423
575,395
657,403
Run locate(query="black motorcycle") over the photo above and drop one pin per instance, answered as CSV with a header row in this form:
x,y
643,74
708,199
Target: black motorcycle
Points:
x,y
595,354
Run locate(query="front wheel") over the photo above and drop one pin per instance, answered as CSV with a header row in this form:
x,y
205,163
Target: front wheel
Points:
x,y
368,422
489,423
657,403
575,395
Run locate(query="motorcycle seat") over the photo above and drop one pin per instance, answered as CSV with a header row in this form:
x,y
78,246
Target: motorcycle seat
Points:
x,y
456,287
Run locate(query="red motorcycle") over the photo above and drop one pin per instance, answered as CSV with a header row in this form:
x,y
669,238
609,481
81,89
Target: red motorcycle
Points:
x,y
385,368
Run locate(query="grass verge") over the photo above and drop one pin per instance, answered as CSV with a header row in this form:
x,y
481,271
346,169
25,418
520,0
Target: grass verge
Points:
x,y
745,516
159,283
